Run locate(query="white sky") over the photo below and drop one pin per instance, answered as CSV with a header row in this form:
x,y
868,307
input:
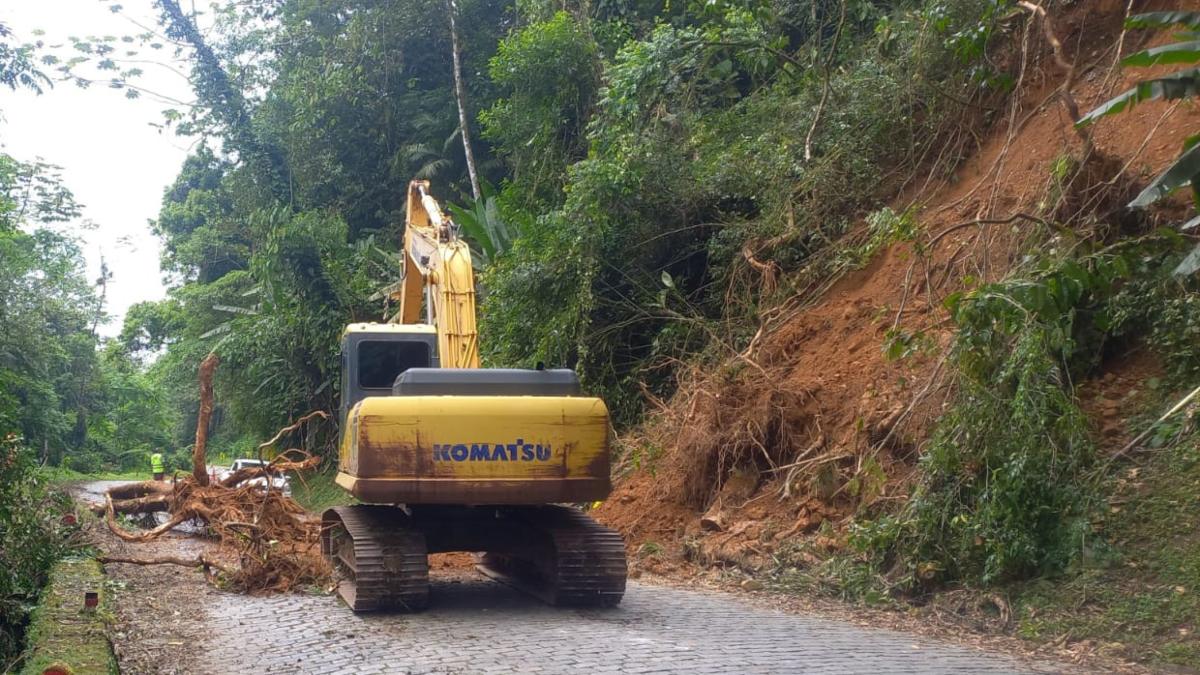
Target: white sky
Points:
x,y
114,161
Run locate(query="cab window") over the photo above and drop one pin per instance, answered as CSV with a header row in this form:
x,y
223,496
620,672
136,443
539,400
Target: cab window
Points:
x,y
380,362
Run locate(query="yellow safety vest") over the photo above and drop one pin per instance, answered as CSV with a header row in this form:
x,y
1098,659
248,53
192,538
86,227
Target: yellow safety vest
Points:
x,y
156,463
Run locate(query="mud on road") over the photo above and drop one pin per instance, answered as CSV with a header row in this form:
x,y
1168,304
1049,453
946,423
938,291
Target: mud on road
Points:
x,y
169,620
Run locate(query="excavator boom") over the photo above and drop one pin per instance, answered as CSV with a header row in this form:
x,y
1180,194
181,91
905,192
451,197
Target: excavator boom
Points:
x,y
436,261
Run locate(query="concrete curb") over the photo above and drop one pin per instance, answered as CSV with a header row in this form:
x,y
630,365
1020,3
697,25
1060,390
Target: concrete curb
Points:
x,y
65,635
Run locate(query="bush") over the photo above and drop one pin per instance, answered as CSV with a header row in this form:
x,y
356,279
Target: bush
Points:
x,y
31,539
1003,491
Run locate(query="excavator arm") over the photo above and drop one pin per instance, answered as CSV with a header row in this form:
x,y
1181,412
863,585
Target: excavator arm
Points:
x,y
438,274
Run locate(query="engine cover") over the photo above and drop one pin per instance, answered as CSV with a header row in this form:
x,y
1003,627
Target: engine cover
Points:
x,y
487,449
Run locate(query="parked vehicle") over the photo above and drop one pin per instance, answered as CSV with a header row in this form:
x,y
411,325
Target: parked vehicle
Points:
x,y
279,481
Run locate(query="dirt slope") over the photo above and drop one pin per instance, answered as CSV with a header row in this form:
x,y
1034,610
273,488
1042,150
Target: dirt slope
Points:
x,y
814,422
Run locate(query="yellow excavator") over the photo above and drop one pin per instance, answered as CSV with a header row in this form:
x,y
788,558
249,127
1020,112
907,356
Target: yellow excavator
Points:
x,y
448,456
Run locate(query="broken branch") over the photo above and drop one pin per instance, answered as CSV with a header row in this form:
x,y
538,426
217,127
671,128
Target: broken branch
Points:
x,y
111,519
198,561
1064,91
288,429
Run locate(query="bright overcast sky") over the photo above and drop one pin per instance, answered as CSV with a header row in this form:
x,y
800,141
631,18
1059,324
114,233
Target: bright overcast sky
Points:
x,y
115,162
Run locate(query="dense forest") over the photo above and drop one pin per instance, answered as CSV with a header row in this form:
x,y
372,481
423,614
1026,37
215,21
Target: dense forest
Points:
x,y
650,189
582,124
630,168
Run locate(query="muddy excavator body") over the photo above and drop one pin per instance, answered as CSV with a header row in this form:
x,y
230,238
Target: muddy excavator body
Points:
x,y
447,456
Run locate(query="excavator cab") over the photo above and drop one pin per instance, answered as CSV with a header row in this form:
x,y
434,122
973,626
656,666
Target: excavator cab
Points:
x,y
375,354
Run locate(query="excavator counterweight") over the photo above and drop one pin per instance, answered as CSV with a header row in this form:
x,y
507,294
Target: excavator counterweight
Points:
x,y
448,456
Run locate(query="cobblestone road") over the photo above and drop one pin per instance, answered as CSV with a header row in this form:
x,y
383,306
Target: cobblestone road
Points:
x,y
483,627
475,625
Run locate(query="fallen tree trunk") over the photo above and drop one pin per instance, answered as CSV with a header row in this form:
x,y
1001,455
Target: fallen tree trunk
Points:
x,y
136,505
111,519
142,489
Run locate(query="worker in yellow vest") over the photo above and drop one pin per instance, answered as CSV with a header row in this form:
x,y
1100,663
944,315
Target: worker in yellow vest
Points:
x,y
156,465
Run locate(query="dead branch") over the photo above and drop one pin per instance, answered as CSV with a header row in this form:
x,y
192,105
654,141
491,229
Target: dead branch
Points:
x,y
278,465
1142,436
983,221
769,272
292,427
199,561
1064,90
199,467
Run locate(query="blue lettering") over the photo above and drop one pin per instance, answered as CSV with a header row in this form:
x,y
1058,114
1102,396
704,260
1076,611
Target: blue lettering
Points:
x,y
485,452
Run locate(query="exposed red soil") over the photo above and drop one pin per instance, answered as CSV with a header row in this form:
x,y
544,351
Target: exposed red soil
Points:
x,y
816,411
451,562
1115,397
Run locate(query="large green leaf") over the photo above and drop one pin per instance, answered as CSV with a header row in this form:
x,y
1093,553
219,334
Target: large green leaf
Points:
x,y
1164,19
1182,172
1181,84
1176,52
484,226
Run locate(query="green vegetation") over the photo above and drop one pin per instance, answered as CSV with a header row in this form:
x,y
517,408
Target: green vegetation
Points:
x,y
61,390
316,491
1009,480
33,536
697,157
1181,84
1003,493
638,154
1139,590
67,400
63,632
58,474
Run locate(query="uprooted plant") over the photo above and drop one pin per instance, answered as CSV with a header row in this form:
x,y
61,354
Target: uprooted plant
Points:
x,y
275,544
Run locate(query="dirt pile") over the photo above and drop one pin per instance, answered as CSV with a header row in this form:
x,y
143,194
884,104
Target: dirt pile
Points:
x,y
814,423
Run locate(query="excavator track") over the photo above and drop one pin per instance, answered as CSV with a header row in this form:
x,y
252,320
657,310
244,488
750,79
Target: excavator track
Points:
x,y
382,559
580,563
555,553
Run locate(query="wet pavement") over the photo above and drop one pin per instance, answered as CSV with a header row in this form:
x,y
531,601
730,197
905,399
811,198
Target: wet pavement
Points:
x,y
168,620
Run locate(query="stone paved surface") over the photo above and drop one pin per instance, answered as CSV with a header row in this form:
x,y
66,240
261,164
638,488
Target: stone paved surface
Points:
x,y
484,627
171,622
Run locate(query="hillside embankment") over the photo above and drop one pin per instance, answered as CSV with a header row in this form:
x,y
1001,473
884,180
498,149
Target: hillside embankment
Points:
x,y
823,419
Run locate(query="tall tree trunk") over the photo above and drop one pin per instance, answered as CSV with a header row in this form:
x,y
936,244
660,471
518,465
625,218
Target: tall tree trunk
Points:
x,y
215,91
460,95
199,461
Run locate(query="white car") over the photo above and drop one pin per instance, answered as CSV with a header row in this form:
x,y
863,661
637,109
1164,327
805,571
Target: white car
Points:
x,y
279,482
